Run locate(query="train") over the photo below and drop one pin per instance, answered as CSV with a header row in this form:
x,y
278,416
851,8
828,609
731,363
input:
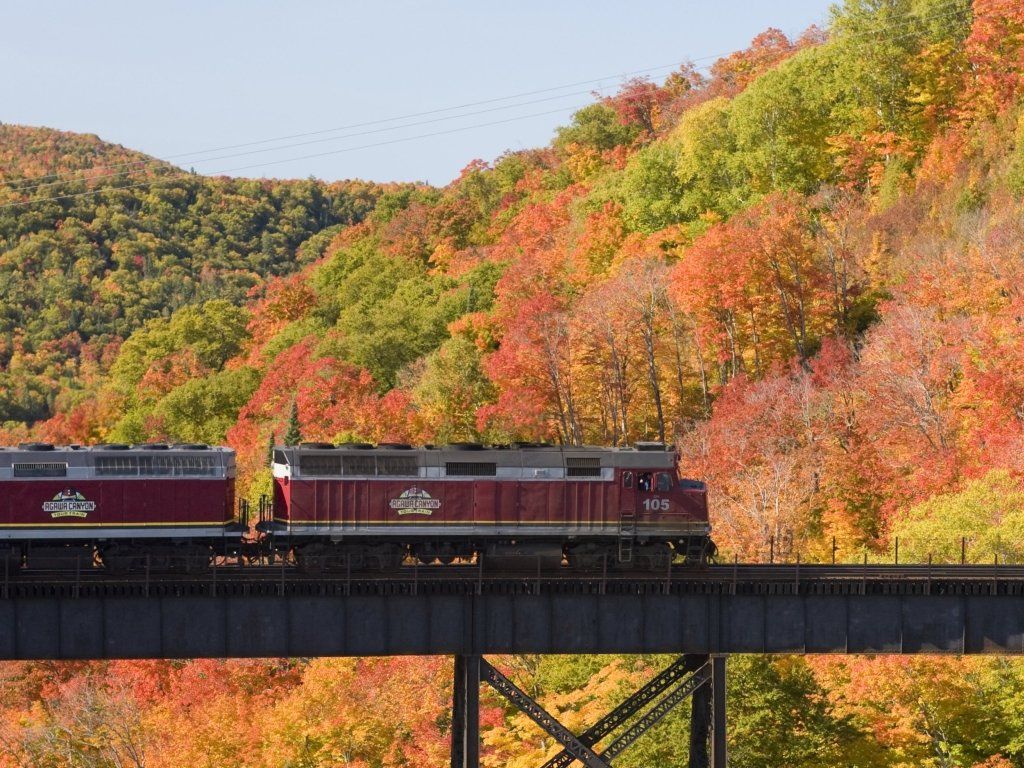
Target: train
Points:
x,y
353,506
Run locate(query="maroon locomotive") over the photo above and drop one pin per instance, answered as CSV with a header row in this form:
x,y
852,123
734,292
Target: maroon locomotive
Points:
x,y
358,505
124,507
354,506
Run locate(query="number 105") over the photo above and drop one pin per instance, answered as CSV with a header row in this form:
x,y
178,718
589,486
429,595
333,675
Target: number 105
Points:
x,y
655,505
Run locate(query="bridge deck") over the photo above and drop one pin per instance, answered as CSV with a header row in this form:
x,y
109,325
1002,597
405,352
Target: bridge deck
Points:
x,y
246,612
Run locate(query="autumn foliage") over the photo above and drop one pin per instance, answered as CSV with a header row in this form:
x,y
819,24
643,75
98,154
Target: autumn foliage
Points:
x,y
803,268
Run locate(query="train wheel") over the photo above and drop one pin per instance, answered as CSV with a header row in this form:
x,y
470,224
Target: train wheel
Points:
x,y
580,562
696,550
653,557
198,559
590,557
312,564
444,553
10,561
311,559
117,560
385,557
710,552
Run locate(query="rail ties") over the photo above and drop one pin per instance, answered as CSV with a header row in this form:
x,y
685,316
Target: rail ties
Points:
x,y
408,581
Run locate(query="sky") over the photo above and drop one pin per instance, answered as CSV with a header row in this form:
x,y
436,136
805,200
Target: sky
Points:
x,y
206,83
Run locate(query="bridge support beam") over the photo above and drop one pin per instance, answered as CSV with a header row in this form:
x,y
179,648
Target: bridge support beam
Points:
x,y
466,713
682,679
571,743
700,719
707,716
719,754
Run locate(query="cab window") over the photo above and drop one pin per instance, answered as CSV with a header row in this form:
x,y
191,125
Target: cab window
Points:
x,y
644,481
627,479
663,482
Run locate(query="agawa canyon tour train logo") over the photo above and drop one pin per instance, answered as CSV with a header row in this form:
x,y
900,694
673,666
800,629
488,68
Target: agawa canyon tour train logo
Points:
x,y
69,503
415,501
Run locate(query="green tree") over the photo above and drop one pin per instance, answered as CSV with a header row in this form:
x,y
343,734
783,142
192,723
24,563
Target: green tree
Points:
x,y
389,311
782,121
778,715
597,126
294,433
707,168
213,331
202,410
451,388
881,67
651,191
988,513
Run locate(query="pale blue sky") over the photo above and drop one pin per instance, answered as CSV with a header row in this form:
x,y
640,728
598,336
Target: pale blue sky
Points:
x,y
174,78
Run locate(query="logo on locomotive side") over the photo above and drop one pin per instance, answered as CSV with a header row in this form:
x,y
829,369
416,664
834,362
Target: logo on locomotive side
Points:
x,y
415,501
69,503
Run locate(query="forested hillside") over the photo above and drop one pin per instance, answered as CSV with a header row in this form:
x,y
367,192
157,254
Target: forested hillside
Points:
x,y
804,267
81,270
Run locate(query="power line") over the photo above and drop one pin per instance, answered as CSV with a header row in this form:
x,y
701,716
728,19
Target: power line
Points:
x,y
141,164
949,7
40,181
40,185
178,173
377,122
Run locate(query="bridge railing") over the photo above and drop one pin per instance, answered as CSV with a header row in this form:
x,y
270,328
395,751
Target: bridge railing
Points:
x,y
962,550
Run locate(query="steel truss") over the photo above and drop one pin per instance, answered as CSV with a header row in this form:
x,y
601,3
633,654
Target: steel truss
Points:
x,y
696,676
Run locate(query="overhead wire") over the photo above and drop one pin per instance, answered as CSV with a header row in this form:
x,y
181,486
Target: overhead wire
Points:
x,y
313,141
179,173
952,8
39,183
166,158
949,5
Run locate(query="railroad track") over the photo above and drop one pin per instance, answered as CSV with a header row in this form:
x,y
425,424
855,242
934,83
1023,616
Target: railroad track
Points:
x,y
732,579
745,571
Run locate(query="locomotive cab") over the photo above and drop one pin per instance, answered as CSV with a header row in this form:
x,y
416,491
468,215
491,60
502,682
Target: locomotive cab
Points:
x,y
661,500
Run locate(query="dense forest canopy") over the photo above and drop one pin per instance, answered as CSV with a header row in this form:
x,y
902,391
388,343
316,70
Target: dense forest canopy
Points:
x,y
804,267
92,256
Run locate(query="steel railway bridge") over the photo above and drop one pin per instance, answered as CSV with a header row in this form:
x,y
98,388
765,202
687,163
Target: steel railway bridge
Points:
x,y
699,615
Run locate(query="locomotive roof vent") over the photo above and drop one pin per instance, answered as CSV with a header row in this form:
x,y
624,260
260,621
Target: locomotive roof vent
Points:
x,y
396,446
191,446
111,447
359,446
582,466
649,446
151,446
316,445
464,447
520,445
471,468
35,446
